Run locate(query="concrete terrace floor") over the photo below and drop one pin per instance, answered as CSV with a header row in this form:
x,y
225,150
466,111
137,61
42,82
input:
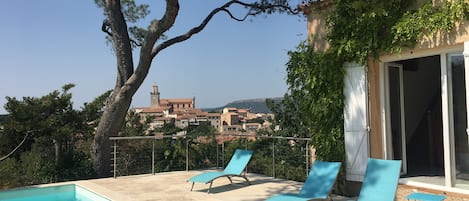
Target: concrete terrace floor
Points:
x,y
172,186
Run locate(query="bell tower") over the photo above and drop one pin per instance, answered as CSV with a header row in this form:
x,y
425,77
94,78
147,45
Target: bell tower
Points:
x,y
155,96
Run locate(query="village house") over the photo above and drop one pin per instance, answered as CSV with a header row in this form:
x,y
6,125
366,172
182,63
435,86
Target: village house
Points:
x,y
182,113
411,106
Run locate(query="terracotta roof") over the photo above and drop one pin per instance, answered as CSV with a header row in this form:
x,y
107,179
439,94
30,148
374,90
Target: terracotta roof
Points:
x,y
178,100
153,110
164,102
188,110
202,113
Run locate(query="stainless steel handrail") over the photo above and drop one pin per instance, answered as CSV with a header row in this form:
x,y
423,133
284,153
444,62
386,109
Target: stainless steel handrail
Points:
x,y
218,136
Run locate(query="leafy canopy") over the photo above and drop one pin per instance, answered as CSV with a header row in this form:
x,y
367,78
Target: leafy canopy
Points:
x,y
362,28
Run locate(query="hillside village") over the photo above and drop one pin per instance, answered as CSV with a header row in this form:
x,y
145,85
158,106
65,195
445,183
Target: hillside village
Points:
x,y
183,112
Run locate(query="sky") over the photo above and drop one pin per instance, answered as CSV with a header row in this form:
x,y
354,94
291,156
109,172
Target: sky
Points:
x,y
49,43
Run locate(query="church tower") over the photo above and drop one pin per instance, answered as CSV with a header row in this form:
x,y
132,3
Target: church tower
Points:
x,y
155,96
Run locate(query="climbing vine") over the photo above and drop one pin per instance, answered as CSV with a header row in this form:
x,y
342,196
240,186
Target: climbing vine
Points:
x,y
316,84
363,28
357,29
428,20
313,106
360,28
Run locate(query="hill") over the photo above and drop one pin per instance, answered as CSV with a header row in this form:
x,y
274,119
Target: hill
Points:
x,y
255,105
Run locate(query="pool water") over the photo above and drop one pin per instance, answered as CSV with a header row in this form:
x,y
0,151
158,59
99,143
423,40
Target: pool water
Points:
x,y
69,192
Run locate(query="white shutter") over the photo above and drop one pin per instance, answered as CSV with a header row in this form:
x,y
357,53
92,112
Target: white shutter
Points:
x,y
355,121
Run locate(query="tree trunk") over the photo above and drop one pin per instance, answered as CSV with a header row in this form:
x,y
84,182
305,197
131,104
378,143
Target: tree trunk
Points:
x,y
109,126
128,80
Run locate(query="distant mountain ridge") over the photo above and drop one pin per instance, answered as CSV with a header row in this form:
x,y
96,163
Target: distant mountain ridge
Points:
x,y
255,105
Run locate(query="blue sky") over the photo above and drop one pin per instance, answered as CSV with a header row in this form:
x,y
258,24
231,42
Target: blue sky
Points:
x,y
46,44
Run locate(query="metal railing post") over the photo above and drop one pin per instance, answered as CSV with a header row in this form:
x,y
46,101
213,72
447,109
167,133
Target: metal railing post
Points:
x,y
153,157
115,159
216,146
273,157
246,145
222,152
187,154
307,158
246,148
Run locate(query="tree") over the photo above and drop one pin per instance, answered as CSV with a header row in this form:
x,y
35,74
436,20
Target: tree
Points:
x,y
37,129
52,114
150,41
135,125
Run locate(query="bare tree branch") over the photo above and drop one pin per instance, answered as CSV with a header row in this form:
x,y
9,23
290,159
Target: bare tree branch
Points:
x,y
156,30
255,9
241,19
19,145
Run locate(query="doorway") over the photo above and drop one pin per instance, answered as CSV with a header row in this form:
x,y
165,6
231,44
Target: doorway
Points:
x,y
415,115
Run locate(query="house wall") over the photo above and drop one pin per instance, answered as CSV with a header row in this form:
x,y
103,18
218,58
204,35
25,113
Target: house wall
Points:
x,y
317,30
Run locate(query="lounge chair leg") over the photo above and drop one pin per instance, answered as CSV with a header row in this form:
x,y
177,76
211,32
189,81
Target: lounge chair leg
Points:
x,y
247,180
229,178
209,187
192,185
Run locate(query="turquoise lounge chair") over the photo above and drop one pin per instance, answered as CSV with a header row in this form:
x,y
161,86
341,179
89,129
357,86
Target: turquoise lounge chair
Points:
x,y
380,182
235,167
318,185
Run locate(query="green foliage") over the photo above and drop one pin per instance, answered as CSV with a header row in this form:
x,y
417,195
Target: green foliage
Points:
x,y
135,125
203,129
9,174
52,116
289,157
363,28
133,13
427,20
131,153
313,106
168,128
57,146
170,154
91,112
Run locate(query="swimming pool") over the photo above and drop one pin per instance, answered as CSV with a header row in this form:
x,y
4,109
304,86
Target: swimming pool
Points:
x,y
69,192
